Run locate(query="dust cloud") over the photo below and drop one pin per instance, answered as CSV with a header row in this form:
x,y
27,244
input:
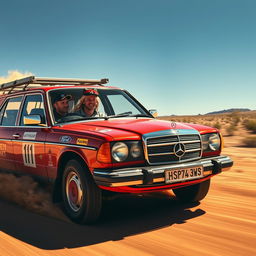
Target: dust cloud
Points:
x,y
27,193
13,75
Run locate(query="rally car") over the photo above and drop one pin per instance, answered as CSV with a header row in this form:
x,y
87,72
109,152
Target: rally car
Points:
x,y
121,148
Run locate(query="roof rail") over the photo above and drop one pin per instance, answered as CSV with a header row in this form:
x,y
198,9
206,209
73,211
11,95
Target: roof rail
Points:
x,y
32,82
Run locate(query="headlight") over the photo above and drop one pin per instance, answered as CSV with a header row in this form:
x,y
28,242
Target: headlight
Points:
x,y
211,142
130,150
135,150
120,151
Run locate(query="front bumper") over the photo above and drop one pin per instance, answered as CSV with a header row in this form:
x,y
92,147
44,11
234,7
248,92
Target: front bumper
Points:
x,y
155,175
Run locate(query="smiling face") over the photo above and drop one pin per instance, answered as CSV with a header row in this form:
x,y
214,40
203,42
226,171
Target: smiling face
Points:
x,y
61,106
90,103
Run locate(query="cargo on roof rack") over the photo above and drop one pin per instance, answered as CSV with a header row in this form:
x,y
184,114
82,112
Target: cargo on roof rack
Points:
x,y
32,82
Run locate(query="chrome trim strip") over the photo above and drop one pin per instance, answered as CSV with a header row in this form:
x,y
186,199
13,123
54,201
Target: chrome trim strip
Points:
x,y
50,143
162,144
118,172
161,154
71,145
165,133
193,150
27,126
172,153
172,143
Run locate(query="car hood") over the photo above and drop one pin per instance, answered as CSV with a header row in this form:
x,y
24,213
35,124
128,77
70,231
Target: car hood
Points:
x,y
130,127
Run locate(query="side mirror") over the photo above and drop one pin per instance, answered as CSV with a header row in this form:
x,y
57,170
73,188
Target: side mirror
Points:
x,y
32,120
153,112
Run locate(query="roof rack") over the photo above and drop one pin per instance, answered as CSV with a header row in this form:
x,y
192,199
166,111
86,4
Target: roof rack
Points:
x,y
35,82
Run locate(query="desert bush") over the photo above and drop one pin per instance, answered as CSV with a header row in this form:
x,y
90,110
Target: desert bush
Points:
x,y
250,141
235,118
231,130
250,125
217,125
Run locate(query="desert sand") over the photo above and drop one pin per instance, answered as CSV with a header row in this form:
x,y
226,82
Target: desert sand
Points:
x,y
224,223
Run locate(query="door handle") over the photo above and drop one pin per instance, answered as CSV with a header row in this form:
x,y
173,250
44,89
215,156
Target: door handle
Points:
x,y
16,136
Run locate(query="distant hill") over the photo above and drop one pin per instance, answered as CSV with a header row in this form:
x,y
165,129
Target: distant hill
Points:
x,y
229,111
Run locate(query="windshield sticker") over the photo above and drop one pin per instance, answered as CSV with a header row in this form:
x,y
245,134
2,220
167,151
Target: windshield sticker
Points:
x,y
65,139
80,141
29,135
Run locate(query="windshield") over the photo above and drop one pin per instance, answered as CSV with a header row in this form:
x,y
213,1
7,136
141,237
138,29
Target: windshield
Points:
x,y
75,104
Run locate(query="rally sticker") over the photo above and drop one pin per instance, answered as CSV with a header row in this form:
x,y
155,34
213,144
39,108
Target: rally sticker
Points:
x,y
29,135
65,139
80,141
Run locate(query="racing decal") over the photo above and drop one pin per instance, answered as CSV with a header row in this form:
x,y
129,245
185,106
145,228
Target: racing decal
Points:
x,y
3,150
65,139
28,153
81,141
29,135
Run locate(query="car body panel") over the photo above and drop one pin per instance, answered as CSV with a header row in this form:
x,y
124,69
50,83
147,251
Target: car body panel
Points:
x,y
41,150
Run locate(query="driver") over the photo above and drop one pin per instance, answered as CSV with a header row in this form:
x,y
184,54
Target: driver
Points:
x,y
87,105
60,106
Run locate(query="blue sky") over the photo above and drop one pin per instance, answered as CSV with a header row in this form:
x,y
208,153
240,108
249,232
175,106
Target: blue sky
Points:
x,y
178,56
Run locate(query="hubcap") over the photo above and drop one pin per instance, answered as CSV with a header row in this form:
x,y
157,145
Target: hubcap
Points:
x,y
74,191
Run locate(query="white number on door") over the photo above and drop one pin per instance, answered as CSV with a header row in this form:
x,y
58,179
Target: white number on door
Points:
x,y
28,153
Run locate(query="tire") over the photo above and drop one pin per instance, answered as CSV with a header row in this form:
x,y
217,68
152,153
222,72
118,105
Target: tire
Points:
x,y
82,198
192,193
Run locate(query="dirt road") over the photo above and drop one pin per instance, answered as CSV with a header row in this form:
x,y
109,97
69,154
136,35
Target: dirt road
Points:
x,y
224,223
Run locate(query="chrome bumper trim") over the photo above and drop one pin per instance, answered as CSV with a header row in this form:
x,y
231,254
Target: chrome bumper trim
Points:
x,y
153,175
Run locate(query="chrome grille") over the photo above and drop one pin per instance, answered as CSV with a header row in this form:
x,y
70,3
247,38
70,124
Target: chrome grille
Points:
x,y
161,150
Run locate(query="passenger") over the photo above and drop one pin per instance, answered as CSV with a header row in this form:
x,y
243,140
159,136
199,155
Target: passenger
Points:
x,y
87,105
61,106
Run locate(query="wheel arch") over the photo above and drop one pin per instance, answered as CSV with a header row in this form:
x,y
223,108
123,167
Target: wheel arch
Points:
x,y
63,160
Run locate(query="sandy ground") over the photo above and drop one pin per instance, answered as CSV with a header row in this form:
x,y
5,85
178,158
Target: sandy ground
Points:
x,y
224,223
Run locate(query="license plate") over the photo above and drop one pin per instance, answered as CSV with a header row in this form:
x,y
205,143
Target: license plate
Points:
x,y
183,174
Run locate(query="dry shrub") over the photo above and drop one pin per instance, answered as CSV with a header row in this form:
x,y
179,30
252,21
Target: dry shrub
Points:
x,y
250,141
250,125
217,125
235,118
231,130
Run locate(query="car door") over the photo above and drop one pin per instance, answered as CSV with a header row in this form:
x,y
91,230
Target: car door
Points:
x,y
8,117
29,143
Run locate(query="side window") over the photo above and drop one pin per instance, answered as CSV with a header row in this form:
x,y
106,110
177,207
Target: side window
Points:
x,y
33,105
2,113
11,111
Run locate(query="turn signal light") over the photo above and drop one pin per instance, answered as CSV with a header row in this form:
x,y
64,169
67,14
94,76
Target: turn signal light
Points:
x,y
104,155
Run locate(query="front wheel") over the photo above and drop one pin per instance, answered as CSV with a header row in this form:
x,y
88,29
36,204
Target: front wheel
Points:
x,y
81,197
193,193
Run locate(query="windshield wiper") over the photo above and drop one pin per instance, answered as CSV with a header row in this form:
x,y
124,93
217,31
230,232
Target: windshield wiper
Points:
x,y
128,114
142,115
69,119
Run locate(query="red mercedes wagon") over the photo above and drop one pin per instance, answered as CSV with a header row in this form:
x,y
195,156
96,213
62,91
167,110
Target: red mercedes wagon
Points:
x,y
87,139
